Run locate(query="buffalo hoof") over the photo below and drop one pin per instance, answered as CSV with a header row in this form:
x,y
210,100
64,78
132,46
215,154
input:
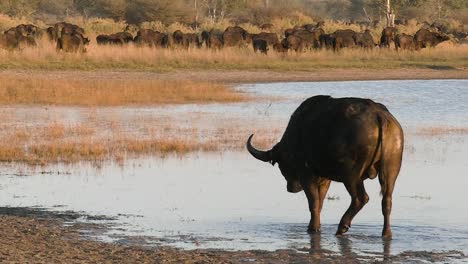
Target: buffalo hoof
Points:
x,y
387,233
342,229
311,230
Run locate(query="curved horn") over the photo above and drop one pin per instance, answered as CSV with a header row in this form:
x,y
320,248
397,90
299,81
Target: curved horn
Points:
x,y
258,154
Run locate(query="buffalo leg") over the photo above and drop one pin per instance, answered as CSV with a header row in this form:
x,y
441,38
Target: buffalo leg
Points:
x,y
359,198
312,191
387,186
323,189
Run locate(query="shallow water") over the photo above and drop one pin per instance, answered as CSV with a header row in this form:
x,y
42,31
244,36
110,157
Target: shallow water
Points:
x,y
232,201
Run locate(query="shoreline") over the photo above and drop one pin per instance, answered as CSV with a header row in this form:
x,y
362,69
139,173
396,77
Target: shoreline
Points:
x,y
32,234
248,76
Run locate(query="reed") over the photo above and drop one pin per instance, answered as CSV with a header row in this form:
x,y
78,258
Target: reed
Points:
x,y
42,91
97,140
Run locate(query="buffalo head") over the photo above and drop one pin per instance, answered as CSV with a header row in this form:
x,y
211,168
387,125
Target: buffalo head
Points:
x,y
284,160
442,37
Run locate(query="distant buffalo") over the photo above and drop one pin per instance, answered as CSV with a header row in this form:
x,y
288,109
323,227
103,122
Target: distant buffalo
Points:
x,y
55,32
326,41
186,40
151,38
387,37
19,37
404,41
213,39
235,37
9,41
260,45
425,38
119,38
343,39
296,43
74,42
364,40
270,38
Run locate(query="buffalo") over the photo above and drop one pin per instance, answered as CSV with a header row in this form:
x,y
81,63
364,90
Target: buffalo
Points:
x,y
119,38
191,40
425,38
346,140
296,43
186,40
213,39
260,45
388,36
19,37
60,28
308,33
343,39
326,41
74,42
52,34
364,40
150,38
404,41
270,38
26,30
280,47
235,37
9,41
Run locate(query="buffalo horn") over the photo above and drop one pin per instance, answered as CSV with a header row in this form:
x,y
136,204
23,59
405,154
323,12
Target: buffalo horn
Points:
x,y
258,154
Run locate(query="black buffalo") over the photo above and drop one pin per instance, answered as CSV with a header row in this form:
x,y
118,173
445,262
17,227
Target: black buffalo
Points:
x,y
260,45
119,38
388,36
346,140
404,41
74,42
343,39
186,40
425,38
270,38
296,43
235,37
213,39
364,40
150,38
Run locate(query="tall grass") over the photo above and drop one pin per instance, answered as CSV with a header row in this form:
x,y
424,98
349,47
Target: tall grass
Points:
x,y
111,92
45,57
103,137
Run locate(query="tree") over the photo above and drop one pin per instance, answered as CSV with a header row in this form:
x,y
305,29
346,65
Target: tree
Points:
x,y
390,14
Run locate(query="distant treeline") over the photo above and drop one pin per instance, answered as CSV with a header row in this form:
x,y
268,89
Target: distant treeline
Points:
x,y
237,11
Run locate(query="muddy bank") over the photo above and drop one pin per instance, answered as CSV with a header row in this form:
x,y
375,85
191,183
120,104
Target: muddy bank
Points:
x,y
252,76
35,235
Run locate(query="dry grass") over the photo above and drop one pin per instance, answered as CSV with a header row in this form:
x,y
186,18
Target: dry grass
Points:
x,y
112,92
440,131
45,57
98,140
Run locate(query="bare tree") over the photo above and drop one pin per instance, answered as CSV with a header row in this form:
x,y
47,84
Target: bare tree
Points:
x,y
390,15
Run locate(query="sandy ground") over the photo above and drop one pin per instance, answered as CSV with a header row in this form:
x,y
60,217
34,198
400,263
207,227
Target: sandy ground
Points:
x,y
253,76
37,236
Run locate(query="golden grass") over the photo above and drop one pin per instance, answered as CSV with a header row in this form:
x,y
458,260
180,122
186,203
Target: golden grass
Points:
x,y
131,57
112,92
96,141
